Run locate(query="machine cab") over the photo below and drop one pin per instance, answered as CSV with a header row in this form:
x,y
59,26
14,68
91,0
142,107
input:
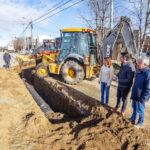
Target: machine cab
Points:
x,y
79,41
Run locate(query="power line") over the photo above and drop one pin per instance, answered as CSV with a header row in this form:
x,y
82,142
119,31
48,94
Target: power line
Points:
x,y
1,20
59,11
51,15
51,10
26,27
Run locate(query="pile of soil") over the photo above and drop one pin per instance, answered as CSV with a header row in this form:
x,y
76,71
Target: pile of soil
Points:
x,y
24,127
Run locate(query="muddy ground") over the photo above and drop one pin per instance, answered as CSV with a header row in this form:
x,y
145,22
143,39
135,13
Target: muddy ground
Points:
x,y
24,127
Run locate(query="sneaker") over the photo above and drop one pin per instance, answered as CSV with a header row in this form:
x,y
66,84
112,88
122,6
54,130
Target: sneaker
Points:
x,y
132,121
138,126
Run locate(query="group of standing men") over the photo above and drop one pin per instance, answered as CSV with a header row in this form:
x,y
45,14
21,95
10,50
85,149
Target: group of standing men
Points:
x,y
140,93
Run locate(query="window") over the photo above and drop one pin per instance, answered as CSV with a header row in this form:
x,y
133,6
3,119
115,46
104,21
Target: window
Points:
x,y
65,45
75,43
66,40
83,44
92,40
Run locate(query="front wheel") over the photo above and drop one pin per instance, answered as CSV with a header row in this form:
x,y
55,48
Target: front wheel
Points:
x,y
72,72
42,70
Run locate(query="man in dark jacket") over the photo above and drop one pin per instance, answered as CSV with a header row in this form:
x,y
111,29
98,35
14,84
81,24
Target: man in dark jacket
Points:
x,y
140,91
7,58
125,80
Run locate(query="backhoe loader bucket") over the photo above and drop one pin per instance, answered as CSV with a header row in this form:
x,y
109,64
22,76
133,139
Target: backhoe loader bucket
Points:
x,y
25,62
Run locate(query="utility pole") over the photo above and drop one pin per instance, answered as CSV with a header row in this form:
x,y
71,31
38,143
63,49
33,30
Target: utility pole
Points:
x,y
111,14
24,39
31,25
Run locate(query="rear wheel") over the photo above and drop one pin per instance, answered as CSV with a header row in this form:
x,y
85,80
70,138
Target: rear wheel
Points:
x,y
72,72
42,70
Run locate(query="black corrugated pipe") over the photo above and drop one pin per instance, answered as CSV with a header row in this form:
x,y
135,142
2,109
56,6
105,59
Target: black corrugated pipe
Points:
x,y
43,105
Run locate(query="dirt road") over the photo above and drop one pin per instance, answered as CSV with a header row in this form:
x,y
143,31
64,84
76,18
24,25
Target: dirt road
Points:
x,y
24,127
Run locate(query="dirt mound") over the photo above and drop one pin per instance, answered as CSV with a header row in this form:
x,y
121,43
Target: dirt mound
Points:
x,y
92,132
24,127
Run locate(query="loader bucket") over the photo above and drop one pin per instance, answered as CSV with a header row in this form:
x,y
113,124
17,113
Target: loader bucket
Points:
x,y
25,62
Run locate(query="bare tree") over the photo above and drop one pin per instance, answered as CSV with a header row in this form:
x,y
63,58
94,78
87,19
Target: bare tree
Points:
x,y
18,44
147,23
99,17
141,12
100,10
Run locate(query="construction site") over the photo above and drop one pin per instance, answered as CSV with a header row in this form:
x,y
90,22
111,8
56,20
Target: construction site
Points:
x,y
48,104
75,120
51,89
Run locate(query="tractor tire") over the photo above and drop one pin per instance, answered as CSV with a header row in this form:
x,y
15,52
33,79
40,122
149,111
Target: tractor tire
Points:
x,y
72,72
42,70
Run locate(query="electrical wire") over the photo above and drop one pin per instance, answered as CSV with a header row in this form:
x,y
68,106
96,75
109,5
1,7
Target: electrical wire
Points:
x,y
59,11
34,22
51,10
11,20
26,27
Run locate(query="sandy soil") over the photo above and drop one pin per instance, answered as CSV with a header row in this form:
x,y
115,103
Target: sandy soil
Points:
x,y
24,127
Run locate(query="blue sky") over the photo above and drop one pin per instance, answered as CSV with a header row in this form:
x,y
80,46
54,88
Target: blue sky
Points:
x,y
23,11
66,19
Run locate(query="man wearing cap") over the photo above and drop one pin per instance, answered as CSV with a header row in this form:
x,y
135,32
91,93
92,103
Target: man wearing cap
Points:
x,y
7,58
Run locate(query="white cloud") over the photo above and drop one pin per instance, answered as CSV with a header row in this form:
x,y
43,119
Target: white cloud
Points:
x,y
20,11
24,11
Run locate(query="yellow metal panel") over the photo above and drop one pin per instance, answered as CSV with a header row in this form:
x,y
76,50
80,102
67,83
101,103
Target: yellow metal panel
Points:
x,y
88,71
49,58
54,68
76,30
91,71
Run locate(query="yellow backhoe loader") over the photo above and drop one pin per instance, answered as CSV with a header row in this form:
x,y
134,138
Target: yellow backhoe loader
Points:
x,y
77,58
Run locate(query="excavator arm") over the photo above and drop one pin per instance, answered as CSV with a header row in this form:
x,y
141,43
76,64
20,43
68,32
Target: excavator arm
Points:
x,y
123,28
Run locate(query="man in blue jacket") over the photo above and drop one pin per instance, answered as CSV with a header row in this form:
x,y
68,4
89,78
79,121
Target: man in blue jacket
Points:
x,y
7,58
140,92
125,80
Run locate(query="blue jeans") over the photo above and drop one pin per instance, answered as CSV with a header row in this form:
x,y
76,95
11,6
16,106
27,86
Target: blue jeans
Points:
x,y
7,64
138,109
103,90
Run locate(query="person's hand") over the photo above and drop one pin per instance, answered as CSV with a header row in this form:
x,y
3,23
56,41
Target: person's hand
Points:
x,y
116,79
108,86
140,102
99,82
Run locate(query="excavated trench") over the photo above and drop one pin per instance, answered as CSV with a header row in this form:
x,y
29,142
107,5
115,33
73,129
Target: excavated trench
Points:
x,y
60,97
90,124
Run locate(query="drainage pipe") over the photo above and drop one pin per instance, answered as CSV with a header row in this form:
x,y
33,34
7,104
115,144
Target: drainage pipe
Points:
x,y
42,104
